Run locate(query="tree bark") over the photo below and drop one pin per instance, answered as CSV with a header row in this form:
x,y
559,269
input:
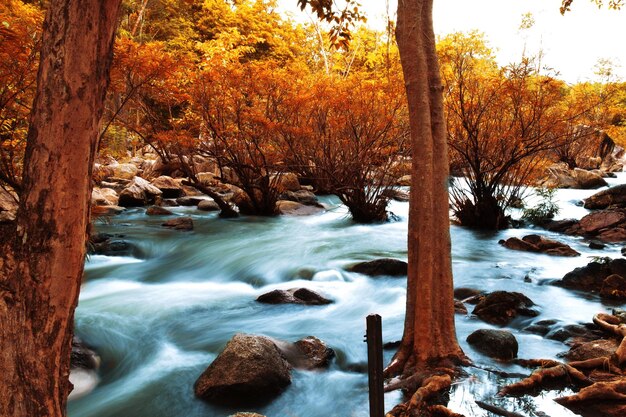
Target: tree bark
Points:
x,y
42,262
429,332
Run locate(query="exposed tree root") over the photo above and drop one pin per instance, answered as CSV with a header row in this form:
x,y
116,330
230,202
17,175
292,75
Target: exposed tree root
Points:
x,y
615,390
424,388
601,379
538,378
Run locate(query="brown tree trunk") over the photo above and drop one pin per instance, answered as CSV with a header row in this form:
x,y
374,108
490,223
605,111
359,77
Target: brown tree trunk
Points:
x,y
42,262
429,331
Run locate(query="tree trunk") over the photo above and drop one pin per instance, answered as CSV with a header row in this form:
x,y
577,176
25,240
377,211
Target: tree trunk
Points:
x,y
42,262
429,331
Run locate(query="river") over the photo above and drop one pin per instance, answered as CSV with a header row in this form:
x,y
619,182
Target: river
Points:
x,y
158,320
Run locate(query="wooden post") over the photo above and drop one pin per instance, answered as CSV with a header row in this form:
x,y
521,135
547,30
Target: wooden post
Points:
x,y
374,338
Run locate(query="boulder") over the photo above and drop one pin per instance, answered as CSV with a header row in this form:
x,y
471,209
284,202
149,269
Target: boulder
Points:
x,y
466,294
540,244
594,276
397,195
614,196
308,353
138,193
384,266
597,221
293,296
560,176
97,211
301,196
179,223
168,186
157,211
104,197
190,201
594,244
500,307
614,286
250,370
459,307
207,178
292,208
8,205
208,205
286,181
498,344
588,180
404,181
123,171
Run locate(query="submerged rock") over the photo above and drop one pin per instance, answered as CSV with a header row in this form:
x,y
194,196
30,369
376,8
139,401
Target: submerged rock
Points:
x,y
499,344
250,370
293,296
500,307
179,223
157,211
111,245
385,266
539,244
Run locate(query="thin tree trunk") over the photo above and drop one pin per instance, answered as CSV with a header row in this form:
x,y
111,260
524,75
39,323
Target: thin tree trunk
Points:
x,y
42,263
429,332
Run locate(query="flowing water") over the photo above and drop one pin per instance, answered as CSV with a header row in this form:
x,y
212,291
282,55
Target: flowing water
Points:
x,y
159,319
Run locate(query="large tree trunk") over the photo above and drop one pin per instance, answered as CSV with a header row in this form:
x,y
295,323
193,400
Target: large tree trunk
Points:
x,y
429,332
42,262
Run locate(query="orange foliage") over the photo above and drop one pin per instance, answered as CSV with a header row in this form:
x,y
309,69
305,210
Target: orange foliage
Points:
x,y
19,37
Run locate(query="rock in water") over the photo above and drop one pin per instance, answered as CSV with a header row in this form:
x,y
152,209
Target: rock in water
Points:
x,y
385,266
250,370
614,196
157,211
293,296
540,244
179,223
604,278
84,364
500,307
309,353
499,344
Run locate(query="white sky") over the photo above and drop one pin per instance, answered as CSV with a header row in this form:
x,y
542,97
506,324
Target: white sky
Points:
x,y
571,44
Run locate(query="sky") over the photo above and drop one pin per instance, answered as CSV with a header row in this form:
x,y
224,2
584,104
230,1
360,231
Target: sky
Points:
x,y
570,44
